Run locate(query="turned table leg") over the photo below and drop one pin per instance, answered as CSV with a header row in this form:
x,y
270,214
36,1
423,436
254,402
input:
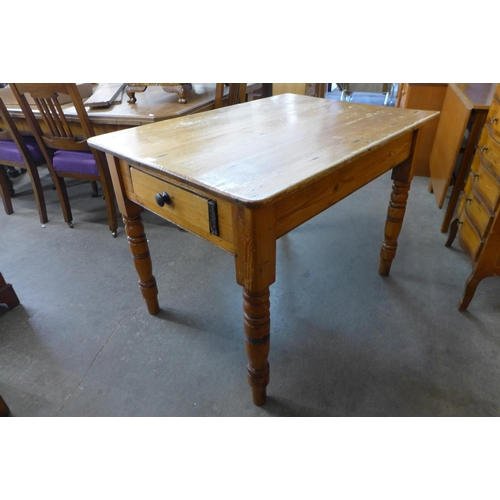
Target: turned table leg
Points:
x,y
255,262
142,260
257,324
394,222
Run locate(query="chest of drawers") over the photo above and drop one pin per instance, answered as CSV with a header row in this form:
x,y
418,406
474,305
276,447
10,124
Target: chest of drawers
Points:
x,y
477,222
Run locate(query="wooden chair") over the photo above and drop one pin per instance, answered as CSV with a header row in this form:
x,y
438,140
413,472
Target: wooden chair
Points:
x,y
21,152
237,94
67,154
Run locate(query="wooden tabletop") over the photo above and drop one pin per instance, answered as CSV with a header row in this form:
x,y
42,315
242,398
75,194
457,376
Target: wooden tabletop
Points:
x,y
256,152
475,95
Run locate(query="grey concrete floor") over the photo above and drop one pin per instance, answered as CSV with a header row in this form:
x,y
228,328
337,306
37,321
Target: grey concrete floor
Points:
x,y
344,342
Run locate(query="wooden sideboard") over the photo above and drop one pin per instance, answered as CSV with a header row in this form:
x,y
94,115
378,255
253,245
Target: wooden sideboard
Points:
x,y
428,96
477,222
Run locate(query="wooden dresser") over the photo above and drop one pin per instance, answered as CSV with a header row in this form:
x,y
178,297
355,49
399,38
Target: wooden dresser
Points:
x,y
477,222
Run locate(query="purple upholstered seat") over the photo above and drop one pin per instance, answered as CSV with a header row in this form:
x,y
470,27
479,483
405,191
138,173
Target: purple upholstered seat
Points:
x,y
79,162
9,150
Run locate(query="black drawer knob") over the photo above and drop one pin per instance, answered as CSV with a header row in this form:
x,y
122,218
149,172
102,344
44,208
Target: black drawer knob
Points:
x,y
163,199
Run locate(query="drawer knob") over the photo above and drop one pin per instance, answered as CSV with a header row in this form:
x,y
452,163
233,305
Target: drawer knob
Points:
x,y
494,119
474,175
468,200
163,199
484,148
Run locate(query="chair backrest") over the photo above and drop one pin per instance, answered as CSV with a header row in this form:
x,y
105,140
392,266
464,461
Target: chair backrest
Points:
x,y
237,94
58,132
11,133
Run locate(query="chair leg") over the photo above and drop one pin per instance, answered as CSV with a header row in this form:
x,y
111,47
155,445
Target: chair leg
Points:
x,y
5,191
109,198
4,409
38,191
63,199
95,189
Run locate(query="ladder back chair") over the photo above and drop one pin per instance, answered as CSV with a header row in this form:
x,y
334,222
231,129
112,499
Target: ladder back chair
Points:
x,y
20,152
237,94
67,153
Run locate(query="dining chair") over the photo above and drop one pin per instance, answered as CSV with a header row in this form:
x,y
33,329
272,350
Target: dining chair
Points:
x,y
236,95
21,152
64,143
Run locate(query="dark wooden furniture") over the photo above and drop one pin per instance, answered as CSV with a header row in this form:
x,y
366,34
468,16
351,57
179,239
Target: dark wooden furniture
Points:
x,y
7,294
181,89
67,155
11,137
243,176
429,96
477,221
464,109
4,409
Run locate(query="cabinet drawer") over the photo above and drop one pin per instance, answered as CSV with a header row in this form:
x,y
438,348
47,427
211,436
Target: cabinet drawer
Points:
x,y
490,150
485,182
207,217
478,212
493,117
468,237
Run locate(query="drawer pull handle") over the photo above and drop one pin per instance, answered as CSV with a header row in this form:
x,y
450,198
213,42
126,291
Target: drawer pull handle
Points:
x,y
468,200
494,119
474,175
484,148
163,199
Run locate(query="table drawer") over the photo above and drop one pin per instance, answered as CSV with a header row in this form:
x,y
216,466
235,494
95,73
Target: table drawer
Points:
x,y
493,118
468,237
208,217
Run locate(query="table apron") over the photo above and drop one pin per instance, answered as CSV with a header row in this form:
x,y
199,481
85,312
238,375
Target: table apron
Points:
x,y
300,206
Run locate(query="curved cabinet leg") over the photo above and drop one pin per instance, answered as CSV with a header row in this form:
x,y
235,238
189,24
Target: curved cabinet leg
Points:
x,y
470,288
142,261
257,329
453,233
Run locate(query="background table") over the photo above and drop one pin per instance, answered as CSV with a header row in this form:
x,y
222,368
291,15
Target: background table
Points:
x,y
151,106
245,175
